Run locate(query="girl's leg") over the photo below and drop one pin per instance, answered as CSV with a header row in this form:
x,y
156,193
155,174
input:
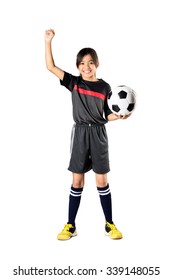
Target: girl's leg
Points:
x,y
105,196
75,197
74,201
78,180
101,180
106,202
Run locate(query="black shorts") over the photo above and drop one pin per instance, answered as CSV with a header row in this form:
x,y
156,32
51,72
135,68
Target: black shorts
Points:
x,y
89,149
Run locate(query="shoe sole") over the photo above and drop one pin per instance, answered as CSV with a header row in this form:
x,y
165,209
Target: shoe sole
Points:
x,y
73,235
107,234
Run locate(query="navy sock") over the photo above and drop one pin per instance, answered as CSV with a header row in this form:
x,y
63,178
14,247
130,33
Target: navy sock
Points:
x,y
74,202
106,202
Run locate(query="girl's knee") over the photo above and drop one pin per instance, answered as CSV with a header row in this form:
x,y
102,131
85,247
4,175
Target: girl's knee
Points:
x,y
78,180
101,180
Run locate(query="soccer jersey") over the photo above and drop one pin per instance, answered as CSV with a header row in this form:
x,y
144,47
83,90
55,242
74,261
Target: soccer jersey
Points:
x,y
89,99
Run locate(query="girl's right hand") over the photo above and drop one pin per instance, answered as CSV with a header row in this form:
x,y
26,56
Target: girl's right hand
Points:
x,y
49,34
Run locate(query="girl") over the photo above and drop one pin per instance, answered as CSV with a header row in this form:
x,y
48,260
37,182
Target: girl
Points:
x,y
89,143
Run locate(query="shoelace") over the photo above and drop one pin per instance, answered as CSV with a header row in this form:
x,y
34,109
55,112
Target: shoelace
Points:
x,y
113,227
67,227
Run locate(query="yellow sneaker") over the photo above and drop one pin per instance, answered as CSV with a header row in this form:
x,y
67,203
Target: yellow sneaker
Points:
x,y
68,231
112,231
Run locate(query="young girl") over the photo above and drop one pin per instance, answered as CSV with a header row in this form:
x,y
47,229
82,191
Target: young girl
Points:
x,y
89,143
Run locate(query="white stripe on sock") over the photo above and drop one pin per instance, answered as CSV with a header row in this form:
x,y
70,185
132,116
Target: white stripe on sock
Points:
x,y
105,192
74,193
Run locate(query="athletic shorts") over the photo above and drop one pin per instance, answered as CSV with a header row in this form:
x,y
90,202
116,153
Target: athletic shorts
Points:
x,y
89,149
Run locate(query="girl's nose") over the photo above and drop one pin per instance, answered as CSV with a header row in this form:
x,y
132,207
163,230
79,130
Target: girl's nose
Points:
x,y
87,65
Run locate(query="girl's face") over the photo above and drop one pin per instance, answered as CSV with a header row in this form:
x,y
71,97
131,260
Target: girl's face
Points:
x,y
87,68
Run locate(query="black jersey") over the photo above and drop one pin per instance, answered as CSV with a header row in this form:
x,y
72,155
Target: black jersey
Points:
x,y
89,99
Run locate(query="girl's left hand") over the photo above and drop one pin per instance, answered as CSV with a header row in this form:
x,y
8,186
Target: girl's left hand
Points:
x,y
123,117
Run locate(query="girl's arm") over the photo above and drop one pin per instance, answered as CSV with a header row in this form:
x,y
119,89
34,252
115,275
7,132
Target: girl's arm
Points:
x,y
49,34
113,117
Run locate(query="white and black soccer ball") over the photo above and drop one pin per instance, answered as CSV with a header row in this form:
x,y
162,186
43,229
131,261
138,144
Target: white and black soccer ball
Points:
x,y
123,100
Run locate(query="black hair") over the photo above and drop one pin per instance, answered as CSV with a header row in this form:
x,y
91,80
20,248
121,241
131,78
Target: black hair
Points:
x,y
87,51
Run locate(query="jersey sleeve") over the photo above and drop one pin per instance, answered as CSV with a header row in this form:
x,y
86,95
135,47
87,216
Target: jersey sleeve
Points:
x,y
68,81
107,110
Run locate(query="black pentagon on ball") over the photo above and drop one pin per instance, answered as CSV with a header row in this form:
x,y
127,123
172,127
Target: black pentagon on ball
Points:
x,y
122,94
130,107
115,108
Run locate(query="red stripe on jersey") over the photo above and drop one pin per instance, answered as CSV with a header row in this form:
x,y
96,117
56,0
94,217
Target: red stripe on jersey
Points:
x,y
89,92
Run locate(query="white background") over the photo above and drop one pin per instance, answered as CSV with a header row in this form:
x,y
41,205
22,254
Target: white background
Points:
x,y
134,44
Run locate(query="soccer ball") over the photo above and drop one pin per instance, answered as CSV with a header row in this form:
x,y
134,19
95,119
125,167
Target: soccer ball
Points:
x,y
123,100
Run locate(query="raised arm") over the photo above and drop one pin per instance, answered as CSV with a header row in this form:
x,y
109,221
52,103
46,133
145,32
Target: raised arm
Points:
x,y
49,34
